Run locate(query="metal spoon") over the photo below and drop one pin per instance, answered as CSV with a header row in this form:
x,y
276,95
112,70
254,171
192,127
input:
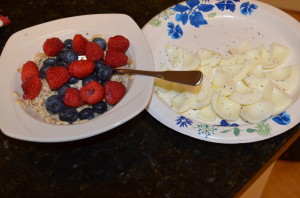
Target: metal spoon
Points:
x,y
192,78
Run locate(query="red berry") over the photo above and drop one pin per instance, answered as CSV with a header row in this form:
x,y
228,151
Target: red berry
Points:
x,y
5,20
29,69
115,58
81,68
72,98
53,46
57,76
114,92
119,43
92,92
31,87
93,51
79,44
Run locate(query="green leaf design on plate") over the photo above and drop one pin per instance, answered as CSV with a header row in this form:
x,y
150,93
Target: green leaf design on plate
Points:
x,y
263,129
211,15
226,131
249,130
155,22
236,131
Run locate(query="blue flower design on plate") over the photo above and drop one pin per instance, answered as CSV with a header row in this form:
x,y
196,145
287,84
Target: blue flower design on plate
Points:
x,y
225,123
282,118
192,12
174,31
182,121
227,5
247,8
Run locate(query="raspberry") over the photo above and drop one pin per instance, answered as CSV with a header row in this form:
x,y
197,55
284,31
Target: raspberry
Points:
x,y
53,46
79,44
115,58
81,68
31,87
5,20
93,51
92,92
29,69
114,92
57,76
119,43
72,98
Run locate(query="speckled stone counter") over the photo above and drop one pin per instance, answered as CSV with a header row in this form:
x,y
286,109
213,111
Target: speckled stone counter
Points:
x,y
141,158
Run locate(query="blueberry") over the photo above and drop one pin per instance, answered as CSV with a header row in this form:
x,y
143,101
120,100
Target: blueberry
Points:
x,y
60,56
69,56
61,91
89,79
73,80
87,113
101,42
104,73
62,64
100,107
98,64
43,70
68,44
50,61
69,115
54,104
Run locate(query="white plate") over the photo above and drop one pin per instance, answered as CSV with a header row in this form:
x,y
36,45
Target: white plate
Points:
x,y
228,24
18,123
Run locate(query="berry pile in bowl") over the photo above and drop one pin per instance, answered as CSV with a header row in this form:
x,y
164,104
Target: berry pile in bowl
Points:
x,y
57,80
71,80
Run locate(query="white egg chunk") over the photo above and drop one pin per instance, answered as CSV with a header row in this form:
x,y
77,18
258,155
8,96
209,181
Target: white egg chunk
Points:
x,y
181,102
256,82
223,84
257,112
206,70
228,60
227,109
236,72
286,78
209,57
200,95
254,55
245,95
175,55
277,55
207,114
190,61
274,94
241,49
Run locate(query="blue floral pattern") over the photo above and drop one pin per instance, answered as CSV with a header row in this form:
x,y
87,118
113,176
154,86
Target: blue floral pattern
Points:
x,y
282,118
182,121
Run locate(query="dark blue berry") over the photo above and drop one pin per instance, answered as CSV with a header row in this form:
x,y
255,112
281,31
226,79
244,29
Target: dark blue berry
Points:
x,y
68,44
43,70
61,91
101,42
104,73
62,64
100,107
54,104
69,56
73,80
87,113
60,56
89,79
98,64
50,61
69,115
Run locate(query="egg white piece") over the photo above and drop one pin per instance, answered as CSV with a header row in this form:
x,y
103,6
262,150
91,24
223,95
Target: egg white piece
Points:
x,y
241,48
245,95
256,82
175,55
236,72
181,102
190,61
207,114
277,55
209,57
223,84
277,96
224,107
257,112
200,95
286,78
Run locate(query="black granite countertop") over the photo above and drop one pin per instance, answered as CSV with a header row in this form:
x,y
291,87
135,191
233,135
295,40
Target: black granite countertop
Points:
x,y
141,158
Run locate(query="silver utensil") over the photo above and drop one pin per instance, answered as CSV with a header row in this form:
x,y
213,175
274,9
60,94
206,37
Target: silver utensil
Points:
x,y
192,78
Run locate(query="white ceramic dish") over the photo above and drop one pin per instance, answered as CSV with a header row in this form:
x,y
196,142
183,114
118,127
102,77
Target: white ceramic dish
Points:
x,y
220,25
21,124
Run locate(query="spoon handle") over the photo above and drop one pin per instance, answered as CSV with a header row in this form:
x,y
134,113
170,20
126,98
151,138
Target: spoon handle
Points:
x,y
192,78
